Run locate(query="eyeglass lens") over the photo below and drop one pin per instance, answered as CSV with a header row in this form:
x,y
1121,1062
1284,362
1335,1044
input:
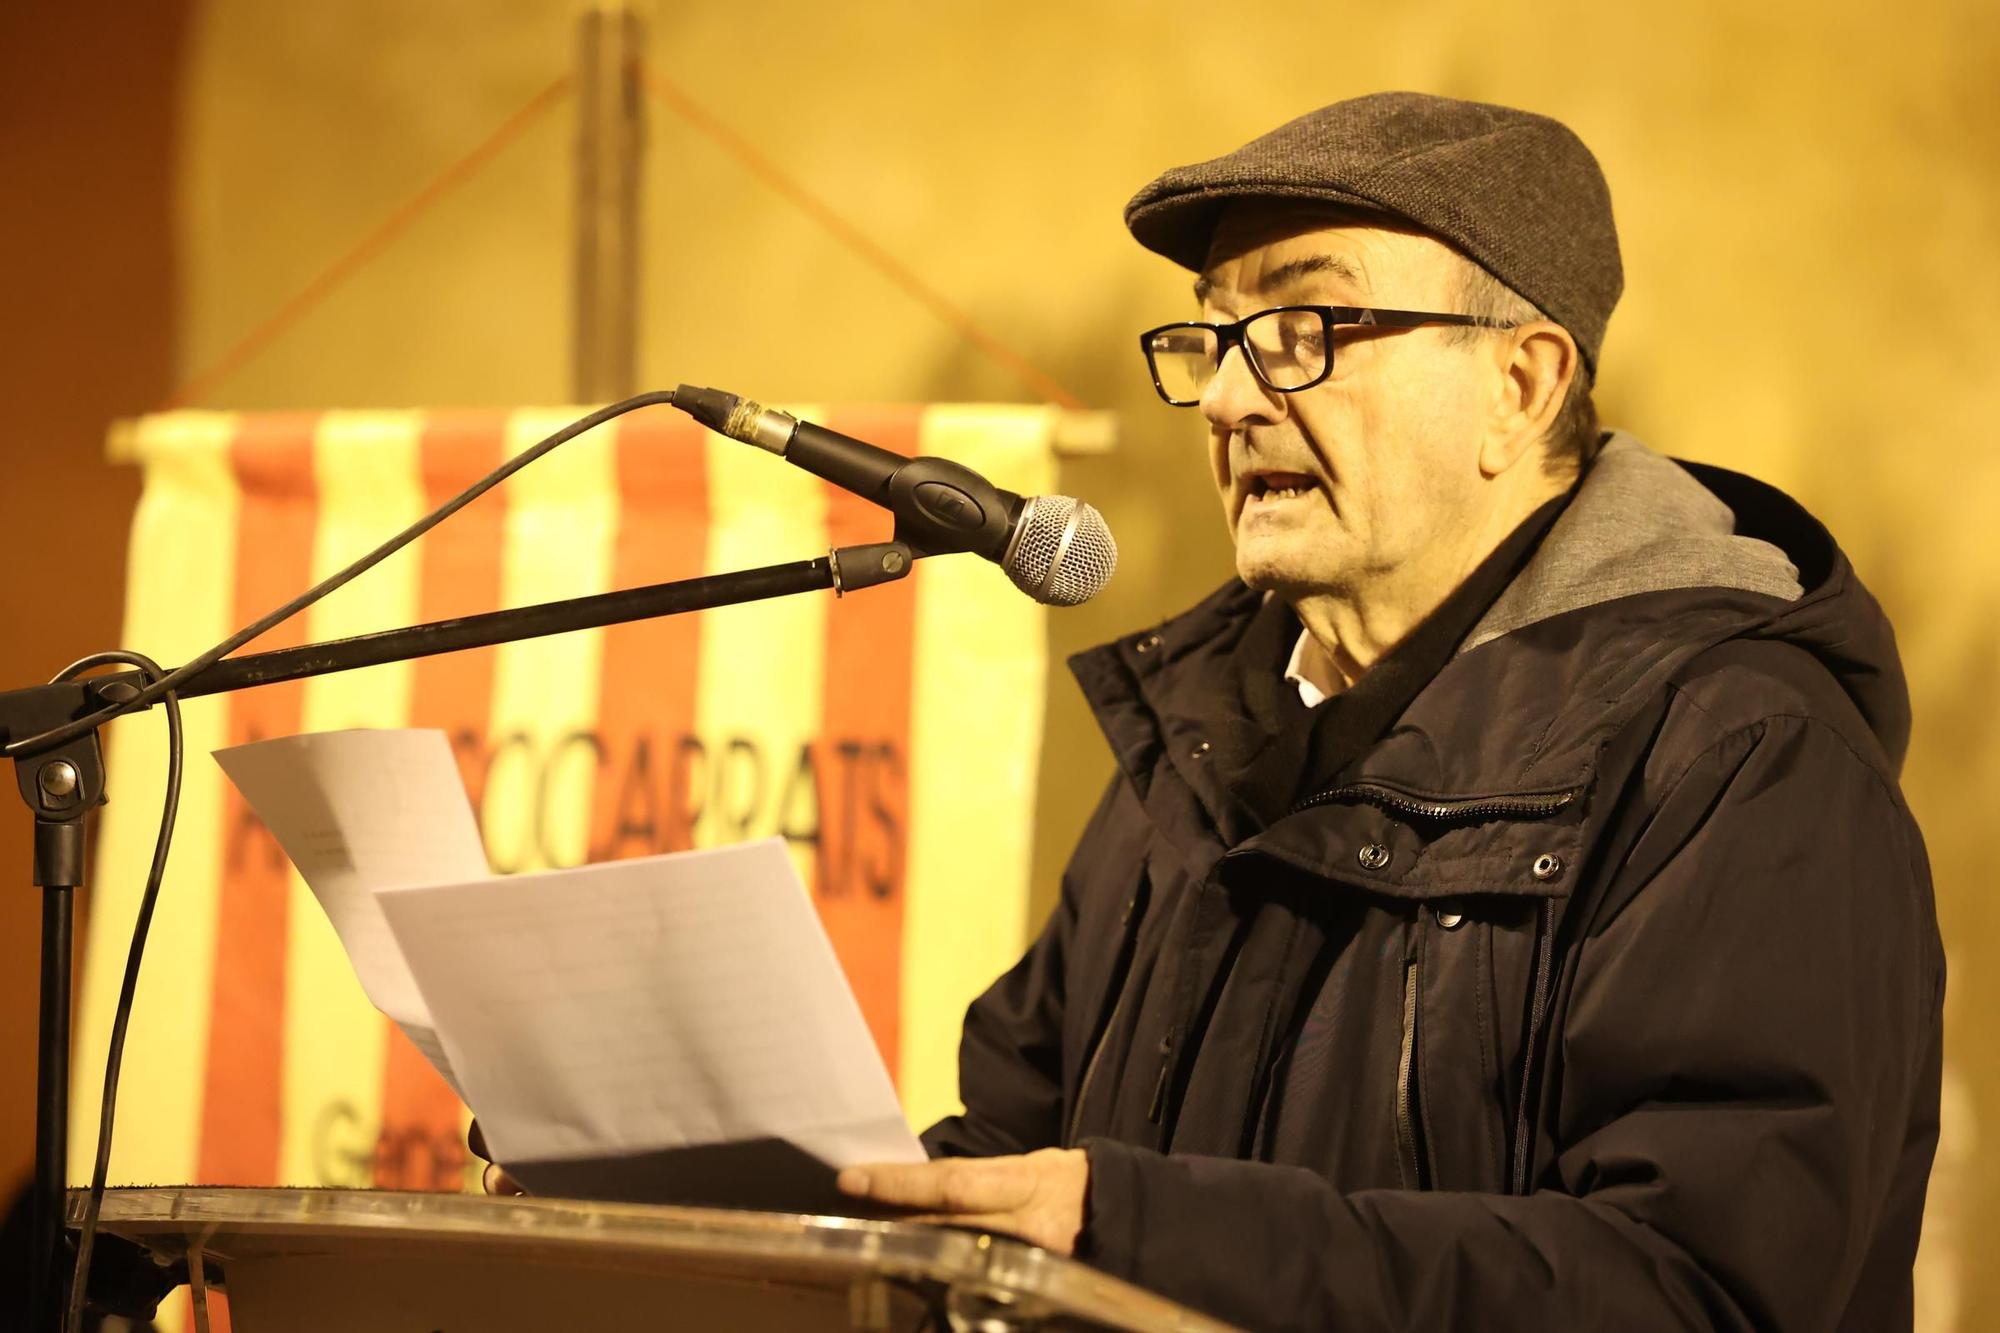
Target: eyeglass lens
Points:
x,y
1287,347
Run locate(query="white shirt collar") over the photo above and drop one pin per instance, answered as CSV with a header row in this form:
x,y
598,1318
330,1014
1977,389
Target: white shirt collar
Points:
x,y
1311,695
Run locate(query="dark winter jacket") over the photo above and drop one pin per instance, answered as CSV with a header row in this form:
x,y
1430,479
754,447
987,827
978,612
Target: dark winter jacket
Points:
x,y
1603,991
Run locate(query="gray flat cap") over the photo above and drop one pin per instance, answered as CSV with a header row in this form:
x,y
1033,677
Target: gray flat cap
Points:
x,y
1517,193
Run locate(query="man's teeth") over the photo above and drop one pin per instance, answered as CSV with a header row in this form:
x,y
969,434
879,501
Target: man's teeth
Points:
x,y
1266,490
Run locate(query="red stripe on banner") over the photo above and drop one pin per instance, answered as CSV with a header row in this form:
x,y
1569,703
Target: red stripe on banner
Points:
x,y
422,1146
652,768
242,1114
863,751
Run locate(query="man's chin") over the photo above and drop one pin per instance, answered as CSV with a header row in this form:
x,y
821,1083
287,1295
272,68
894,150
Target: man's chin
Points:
x,y
1288,578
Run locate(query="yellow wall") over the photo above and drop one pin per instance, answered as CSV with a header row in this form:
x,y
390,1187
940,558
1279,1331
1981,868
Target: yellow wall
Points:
x,y
1806,192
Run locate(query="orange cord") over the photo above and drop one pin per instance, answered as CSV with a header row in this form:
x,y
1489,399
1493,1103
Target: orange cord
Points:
x,y
849,235
253,344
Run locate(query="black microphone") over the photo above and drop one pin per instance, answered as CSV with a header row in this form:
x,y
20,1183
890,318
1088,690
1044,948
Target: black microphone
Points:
x,y
1055,549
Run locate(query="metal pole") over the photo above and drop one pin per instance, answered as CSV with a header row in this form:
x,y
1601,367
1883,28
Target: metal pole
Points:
x,y
51,1113
610,138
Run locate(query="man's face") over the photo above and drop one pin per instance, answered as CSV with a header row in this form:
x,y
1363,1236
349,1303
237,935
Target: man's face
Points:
x,y
1361,480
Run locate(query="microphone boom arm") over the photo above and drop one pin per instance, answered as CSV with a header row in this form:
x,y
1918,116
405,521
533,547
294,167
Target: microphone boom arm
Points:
x,y
846,569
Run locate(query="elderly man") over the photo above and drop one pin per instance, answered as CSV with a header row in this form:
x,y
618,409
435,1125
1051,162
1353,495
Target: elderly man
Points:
x,y
1504,914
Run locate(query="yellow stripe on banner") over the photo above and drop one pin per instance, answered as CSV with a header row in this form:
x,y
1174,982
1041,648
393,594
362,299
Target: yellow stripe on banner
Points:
x,y
975,733
562,529
366,469
760,697
180,587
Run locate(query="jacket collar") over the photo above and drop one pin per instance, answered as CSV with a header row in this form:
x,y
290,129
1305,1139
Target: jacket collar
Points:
x,y
1648,567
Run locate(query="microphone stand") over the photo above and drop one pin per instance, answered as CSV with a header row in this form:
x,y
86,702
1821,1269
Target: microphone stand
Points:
x,y
64,782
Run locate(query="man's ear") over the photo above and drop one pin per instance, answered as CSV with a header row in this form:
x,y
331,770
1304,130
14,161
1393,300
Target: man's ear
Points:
x,y
1536,364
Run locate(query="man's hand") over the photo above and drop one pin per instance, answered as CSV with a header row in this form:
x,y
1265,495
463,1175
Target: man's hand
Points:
x,y
1038,1197
493,1179
497,1181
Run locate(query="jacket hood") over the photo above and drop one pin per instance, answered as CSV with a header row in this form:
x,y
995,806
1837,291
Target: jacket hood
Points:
x,y
1837,620
1643,523
1653,562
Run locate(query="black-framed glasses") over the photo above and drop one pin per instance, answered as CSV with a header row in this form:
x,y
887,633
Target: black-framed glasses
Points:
x,y
1289,347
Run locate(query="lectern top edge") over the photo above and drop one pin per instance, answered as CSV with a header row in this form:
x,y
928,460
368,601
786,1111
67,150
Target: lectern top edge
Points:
x,y
248,1225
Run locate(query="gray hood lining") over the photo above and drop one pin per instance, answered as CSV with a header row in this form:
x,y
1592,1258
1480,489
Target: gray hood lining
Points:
x,y
1639,523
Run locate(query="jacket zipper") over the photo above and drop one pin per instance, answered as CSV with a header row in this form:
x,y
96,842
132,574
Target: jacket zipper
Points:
x,y
1544,963
1471,807
1408,1151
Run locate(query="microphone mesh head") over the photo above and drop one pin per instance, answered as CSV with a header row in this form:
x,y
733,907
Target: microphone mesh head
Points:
x,y
1062,553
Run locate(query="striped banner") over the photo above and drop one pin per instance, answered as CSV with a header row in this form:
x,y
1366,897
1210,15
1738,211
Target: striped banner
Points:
x,y
889,736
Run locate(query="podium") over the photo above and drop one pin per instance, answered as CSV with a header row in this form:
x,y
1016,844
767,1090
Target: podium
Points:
x,y
317,1261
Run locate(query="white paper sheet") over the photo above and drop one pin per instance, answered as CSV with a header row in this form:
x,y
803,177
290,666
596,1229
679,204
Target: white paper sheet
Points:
x,y
604,1016
358,811
665,1002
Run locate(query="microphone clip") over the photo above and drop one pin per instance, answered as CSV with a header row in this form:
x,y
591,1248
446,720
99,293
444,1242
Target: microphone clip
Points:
x,y
857,567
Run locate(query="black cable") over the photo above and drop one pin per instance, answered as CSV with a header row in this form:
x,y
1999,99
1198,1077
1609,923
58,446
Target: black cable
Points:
x,y
152,693
107,1109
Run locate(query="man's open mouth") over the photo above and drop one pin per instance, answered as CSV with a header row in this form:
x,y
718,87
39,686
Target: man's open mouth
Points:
x,y
1278,485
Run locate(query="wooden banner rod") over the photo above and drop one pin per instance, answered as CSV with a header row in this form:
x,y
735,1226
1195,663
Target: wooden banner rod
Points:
x,y
610,140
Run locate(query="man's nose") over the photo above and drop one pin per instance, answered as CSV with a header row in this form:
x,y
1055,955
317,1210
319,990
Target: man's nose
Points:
x,y
1234,397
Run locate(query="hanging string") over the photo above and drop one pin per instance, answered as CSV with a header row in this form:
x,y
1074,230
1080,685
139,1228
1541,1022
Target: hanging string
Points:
x,y
198,387
253,344
758,164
